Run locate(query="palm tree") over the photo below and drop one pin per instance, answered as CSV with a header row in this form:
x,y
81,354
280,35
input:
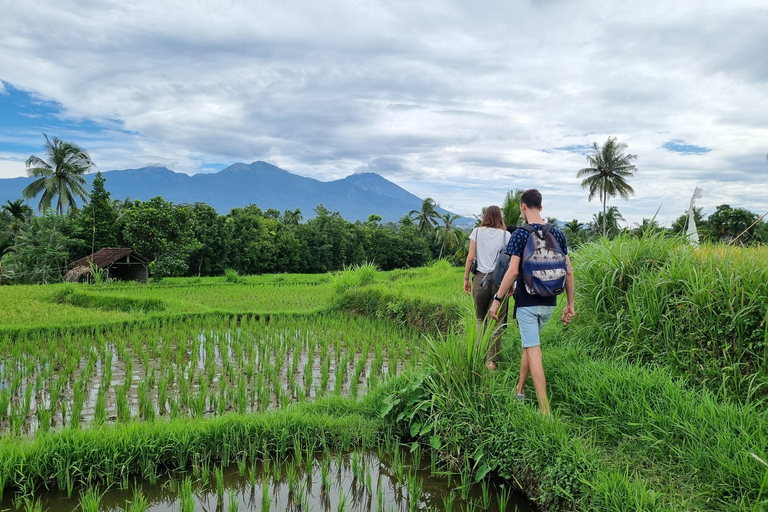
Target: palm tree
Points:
x,y
292,218
510,209
647,226
58,176
448,234
426,216
19,212
608,223
608,169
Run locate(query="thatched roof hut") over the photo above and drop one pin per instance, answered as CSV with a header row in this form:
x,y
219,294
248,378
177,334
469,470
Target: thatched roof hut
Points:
x,y
119,263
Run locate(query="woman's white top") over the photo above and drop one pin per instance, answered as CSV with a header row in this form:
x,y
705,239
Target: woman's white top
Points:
x,y
488,241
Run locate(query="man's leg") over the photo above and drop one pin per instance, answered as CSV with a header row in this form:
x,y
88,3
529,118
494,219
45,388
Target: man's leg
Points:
x,y
530,321
524,369
537,375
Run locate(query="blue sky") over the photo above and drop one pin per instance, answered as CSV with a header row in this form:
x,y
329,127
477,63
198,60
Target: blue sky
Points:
x,y
445,98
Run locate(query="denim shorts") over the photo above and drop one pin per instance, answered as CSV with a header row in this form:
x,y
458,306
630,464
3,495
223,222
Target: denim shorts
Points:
x,y
531,320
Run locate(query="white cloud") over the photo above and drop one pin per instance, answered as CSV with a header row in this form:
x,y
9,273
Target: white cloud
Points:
x,y
453,100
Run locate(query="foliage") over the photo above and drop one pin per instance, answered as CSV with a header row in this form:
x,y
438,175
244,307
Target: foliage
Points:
x,y
43,249
606,224
99,217
702,313
158,230
231,276
60,175
608,169
448,236
510,209
357,276
426,216
727,223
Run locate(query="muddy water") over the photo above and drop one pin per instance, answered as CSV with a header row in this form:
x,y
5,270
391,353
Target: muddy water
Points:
x,y
357,481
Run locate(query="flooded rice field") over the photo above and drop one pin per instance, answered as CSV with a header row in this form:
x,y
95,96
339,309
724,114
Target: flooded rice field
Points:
x,y
357,481
186,370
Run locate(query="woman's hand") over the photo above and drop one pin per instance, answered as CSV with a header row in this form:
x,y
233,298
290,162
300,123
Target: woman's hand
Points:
x,y
468,286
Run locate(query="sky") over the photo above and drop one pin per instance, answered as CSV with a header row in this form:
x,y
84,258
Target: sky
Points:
x,y
454,100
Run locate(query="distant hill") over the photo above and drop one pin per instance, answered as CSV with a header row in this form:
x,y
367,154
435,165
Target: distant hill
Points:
x,y
260,183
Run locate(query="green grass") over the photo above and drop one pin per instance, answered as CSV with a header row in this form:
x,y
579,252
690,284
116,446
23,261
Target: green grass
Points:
x,y
658,388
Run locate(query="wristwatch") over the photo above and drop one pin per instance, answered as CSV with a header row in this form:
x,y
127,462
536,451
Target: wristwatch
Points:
x,y
496,297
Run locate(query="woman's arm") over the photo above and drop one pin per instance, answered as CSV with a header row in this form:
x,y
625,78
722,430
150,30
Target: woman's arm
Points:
x,y
467,265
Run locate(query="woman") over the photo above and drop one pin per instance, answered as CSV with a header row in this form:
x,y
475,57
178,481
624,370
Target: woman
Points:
x,y
484,245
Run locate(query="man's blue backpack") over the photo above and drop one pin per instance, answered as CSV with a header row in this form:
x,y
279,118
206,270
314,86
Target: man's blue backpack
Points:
x,y
543,265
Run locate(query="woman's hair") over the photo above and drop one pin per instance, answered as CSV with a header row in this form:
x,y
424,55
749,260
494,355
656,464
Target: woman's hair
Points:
x,y
492,218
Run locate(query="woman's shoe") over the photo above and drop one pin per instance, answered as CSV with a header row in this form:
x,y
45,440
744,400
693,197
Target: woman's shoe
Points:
x,y
490,366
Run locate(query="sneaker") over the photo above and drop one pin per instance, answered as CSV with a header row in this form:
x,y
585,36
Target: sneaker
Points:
x,y
490,366
520,396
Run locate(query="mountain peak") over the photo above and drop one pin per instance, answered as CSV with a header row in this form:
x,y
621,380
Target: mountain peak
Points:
x,y
357,196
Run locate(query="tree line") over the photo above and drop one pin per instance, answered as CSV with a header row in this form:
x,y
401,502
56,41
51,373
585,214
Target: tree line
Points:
x,y
194,240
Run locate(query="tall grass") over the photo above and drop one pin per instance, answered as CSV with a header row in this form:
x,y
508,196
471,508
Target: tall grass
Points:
x,y
701,312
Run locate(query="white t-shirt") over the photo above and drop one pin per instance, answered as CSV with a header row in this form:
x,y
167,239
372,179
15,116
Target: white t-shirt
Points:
x,y
488,241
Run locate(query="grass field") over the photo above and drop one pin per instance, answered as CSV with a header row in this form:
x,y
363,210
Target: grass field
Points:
x,y
659,387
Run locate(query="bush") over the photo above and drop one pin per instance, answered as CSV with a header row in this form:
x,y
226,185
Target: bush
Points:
x,y
356,276
231,276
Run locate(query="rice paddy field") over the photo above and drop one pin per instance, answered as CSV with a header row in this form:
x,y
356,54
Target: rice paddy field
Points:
x,y
366,390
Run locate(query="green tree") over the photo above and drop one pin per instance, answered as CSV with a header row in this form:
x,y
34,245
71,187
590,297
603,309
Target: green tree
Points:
x,y
330,241
448,236
510,209
158,230
646,226
99,217
609,168
44,249
60,176
574,233
212,255
607,224
292,218
728,223
425,217
19,214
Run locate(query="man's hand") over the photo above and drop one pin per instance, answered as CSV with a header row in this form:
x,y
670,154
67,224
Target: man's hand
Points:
x,y
467,286
568,313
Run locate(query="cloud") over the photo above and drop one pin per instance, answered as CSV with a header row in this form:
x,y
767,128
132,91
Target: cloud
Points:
x,y
449,100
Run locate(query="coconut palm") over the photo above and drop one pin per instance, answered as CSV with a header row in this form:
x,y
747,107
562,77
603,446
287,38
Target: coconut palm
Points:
x,y
608,223
426,216
646,226
447,234
510,209
292,218
59,176
19,213
609,166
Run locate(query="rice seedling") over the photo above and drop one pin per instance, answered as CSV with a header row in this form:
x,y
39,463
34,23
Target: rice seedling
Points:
x,y
90,500
503,498
138,503
266,499
186,496
486,493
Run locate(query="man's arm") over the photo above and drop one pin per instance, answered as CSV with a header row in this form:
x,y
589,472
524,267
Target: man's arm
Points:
x,y
506,283
569,312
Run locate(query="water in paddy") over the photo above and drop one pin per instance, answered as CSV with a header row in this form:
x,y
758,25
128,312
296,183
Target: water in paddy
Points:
x,y
356,481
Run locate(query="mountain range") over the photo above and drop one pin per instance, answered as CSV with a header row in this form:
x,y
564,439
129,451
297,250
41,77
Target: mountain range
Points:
x,y
260,183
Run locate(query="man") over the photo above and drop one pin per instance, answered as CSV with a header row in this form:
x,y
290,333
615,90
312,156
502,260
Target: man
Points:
x,y
532,311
